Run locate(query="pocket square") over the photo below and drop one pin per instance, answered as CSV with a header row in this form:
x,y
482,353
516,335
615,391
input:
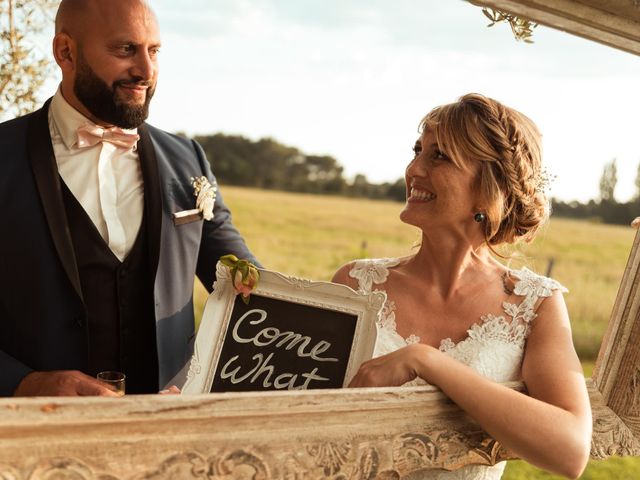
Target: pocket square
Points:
x,y
187,216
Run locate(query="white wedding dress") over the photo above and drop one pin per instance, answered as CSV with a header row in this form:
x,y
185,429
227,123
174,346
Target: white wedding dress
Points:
x,y
494,346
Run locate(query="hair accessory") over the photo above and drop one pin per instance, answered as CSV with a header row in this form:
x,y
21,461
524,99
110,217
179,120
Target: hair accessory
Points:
x,y
479,217
544,180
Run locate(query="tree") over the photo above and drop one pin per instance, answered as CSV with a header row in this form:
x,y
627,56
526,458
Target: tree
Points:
x,y
608,182
636,196
23,66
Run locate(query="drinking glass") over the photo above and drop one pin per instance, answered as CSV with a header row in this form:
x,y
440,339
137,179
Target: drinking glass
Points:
x,y
116,380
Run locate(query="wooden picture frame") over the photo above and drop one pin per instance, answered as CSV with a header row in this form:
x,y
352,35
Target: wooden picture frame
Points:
x,y
345,433
334,317
384,433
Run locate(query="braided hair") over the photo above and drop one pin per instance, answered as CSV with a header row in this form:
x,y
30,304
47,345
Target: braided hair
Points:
x,y
508,146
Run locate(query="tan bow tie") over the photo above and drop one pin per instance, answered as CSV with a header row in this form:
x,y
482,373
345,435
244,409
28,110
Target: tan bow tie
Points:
x,y
90,135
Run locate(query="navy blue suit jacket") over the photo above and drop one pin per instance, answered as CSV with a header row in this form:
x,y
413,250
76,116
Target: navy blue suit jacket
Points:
x,y
43,321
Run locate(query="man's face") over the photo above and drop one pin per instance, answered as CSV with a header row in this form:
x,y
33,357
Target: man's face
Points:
x,y
108,102
117,65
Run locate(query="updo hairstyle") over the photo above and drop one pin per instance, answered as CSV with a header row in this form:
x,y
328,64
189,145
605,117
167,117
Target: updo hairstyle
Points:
x,y
507,145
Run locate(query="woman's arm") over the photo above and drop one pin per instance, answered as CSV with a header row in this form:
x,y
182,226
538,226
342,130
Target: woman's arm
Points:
x,y
551,428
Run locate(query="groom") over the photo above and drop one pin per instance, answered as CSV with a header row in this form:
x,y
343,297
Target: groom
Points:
x,y
97,271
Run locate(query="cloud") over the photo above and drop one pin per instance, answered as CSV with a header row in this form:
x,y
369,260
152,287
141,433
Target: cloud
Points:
x,y
352,79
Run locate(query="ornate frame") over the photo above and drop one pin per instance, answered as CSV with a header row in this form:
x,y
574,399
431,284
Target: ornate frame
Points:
x,y
361,433
354,433
326,295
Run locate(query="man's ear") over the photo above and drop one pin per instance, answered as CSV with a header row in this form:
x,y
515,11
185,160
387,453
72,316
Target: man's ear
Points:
x,y
64,52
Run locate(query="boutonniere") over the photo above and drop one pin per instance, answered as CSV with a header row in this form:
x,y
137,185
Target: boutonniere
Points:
x,y
205,194
244,275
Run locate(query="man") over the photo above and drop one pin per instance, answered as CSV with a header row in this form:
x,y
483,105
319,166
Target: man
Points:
x,y
97,271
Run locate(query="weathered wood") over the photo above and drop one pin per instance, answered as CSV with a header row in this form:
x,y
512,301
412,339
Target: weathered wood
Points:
x,y
617,371
360,433
612,22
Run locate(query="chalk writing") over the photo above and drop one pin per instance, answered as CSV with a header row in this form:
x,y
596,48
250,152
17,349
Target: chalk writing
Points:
x,y
274,344
284,380
288,340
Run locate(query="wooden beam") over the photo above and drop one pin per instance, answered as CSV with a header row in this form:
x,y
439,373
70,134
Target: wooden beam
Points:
x,y
615,23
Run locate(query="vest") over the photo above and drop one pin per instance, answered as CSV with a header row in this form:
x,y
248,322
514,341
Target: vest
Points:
x,y
118,298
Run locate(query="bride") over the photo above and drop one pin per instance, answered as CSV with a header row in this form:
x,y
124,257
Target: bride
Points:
x,y
457,318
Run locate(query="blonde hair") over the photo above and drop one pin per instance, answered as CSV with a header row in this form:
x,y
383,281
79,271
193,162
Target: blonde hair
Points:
x,y
507,145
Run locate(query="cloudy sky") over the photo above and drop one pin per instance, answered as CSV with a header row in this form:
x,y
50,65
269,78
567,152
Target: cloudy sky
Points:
x,y
352,79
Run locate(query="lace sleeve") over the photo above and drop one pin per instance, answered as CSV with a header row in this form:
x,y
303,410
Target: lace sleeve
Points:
x,y
534,288
371,271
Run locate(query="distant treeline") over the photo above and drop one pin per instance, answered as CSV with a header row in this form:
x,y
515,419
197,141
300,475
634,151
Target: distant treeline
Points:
x,y
268,164
604,211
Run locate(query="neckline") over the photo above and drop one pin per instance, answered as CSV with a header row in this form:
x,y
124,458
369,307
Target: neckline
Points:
x,y
518,311
526,284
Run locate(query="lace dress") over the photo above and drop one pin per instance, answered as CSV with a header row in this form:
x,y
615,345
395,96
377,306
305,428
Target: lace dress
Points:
x,y
494,347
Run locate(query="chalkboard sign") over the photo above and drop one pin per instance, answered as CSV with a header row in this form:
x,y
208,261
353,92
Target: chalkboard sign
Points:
x,y
294,334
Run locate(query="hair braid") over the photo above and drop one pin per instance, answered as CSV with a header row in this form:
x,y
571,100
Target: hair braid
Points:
x,y
507,145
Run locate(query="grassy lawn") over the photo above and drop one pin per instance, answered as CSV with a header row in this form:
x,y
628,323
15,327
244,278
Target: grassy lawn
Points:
x,y
311,236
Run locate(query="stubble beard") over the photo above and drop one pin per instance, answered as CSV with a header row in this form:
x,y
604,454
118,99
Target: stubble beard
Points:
x,y
103,101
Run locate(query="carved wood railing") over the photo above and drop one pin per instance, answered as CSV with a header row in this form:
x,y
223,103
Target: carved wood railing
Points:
x,y
352,433
364,434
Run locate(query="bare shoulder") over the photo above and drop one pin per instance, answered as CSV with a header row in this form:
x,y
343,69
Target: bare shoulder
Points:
x,y
342,276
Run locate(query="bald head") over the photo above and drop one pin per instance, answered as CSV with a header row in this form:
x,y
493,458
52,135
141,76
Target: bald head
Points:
x,y
107,51
75,16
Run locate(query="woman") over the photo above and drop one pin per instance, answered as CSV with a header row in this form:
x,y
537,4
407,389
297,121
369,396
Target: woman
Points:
x,y
457,318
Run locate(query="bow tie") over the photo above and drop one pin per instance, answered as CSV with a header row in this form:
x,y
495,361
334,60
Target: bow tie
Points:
x,y
90,135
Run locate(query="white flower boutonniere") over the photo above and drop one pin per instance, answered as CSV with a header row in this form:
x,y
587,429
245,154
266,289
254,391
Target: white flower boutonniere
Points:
x,y
205,194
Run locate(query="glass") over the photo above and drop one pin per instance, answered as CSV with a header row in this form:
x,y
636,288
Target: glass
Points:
x,y
116,380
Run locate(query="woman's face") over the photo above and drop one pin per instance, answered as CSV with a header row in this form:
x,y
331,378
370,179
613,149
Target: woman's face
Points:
x,y
439,194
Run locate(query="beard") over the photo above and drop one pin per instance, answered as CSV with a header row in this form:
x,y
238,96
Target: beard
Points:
x,y
103,101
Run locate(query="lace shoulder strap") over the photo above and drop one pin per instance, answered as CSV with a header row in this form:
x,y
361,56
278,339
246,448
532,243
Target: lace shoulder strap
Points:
x,y
371,271
532,287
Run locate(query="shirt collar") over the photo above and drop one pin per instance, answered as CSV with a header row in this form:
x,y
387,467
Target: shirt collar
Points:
x,y
67,119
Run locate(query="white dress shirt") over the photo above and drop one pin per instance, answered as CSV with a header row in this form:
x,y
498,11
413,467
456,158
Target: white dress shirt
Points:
x,y
105,179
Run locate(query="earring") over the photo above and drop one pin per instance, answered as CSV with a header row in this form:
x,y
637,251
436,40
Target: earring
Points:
x,y
479,217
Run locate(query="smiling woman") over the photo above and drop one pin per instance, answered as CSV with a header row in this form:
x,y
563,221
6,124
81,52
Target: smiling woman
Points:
x,y
458,319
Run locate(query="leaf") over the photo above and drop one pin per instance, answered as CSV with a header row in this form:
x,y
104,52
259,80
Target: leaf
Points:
x,y
229,260
488,15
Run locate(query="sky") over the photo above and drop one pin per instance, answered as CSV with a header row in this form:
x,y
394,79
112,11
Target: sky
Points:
x,y
353,78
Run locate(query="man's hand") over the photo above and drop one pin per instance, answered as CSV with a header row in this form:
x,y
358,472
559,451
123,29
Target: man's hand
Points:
x,y
61,383
172,390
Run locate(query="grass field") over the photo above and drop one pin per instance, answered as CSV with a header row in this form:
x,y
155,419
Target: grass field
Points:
x,y
311,236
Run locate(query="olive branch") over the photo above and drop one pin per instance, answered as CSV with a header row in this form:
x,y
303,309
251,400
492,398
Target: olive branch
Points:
x,y
522,28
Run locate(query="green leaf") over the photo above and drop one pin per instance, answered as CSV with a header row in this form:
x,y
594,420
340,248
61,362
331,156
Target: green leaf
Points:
x,y
229,260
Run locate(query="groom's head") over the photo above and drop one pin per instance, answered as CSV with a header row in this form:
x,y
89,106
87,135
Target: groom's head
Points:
x,y
107,51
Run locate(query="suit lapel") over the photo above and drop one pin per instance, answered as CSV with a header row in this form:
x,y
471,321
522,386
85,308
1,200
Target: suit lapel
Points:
x,y
45,170
152,197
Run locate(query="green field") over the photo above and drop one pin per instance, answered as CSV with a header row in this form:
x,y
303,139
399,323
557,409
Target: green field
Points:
x,y
311,236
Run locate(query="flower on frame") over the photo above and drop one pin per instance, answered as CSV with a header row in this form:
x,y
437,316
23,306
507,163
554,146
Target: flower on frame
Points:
x,y
244,275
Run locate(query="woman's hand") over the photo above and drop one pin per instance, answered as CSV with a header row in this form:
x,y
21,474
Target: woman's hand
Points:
x,y
394,369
